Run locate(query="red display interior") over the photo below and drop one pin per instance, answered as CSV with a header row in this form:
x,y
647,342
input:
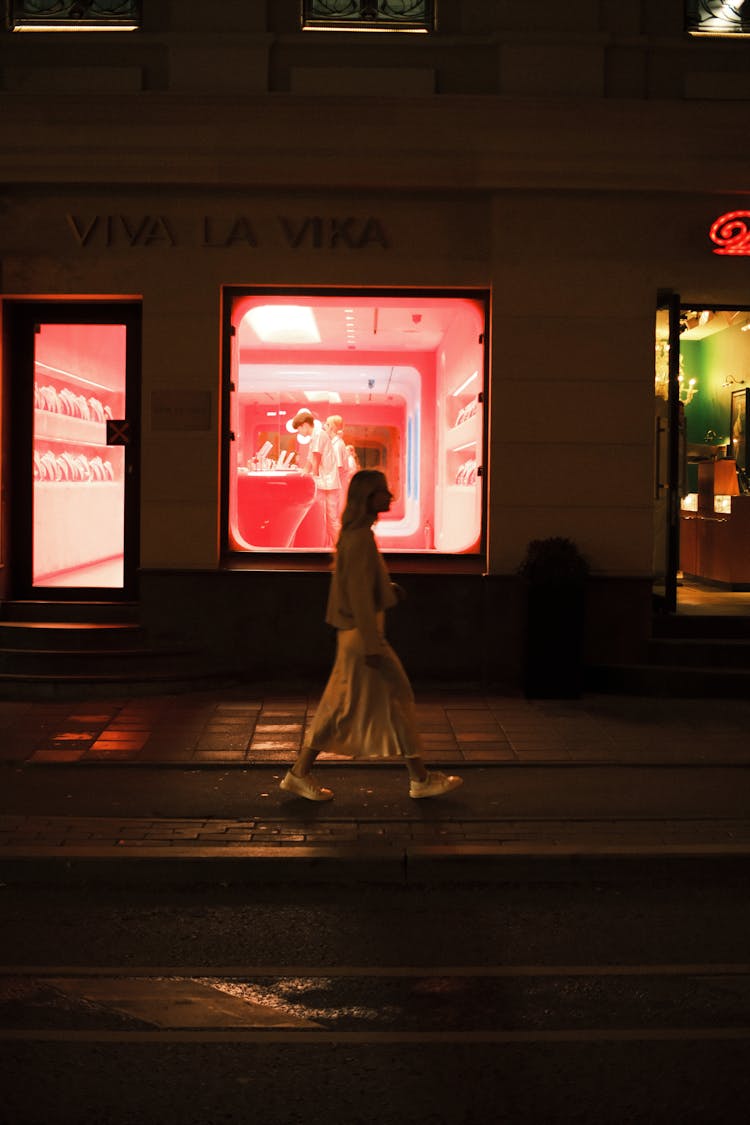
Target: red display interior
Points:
x,y
78,497
405,373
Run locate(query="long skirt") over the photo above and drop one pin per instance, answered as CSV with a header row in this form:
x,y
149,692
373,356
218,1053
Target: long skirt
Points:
x,y
366,712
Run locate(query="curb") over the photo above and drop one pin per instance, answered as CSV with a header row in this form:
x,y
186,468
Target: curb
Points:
x,y
413,865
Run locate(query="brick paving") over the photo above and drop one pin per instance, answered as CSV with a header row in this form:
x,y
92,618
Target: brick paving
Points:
x,y
33,833
245,728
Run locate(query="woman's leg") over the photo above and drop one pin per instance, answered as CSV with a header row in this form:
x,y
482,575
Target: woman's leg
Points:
x,y
423,782
417,769
304,761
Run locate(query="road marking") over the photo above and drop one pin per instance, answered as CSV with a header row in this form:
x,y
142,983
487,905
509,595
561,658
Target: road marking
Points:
x,y
177,1003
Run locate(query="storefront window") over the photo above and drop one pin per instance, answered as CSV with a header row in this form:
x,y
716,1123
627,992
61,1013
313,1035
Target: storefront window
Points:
x,y
368,15
75,15
394,383
716,17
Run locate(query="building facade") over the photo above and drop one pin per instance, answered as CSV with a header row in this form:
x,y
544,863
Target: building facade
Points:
x,y
469,243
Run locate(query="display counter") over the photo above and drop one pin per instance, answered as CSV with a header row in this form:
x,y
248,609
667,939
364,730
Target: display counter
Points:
x,y
271,506
716,546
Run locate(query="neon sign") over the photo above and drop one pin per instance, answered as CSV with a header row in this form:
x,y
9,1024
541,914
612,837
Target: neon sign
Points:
x,y
731,233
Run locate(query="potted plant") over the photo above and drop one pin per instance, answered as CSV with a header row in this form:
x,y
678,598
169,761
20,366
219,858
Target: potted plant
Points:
x,y
554,574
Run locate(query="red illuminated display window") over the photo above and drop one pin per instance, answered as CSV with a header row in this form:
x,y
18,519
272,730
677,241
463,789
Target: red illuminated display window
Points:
x,y
78,479
390,382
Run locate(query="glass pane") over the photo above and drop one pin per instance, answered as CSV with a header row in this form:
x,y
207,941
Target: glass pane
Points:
x,y
369,15
327,385
75,15
717,17
79,481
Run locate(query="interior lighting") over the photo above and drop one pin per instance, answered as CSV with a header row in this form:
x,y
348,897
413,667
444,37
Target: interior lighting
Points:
x,y
688,390
689,503
723,505
284,324
466,383
323,396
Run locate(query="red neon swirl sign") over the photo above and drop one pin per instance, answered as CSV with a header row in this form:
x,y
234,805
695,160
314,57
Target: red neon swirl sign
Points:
x,y
731,233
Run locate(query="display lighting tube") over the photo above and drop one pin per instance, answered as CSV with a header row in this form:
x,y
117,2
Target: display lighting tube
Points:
x,y
465,384
284,324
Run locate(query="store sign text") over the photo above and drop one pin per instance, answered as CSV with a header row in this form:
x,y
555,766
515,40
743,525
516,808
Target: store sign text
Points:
x,y
313,232
731,233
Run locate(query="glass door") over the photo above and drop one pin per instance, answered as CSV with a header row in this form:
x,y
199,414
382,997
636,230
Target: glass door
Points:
x,y
75,508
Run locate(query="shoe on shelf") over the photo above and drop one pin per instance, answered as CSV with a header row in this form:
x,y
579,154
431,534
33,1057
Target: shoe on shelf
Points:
x,y
434,784
304,787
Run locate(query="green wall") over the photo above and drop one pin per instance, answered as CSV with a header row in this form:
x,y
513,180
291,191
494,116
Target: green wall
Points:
x,y
712,361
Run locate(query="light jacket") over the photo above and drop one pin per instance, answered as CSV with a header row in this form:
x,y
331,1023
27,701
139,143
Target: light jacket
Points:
x,y
360,588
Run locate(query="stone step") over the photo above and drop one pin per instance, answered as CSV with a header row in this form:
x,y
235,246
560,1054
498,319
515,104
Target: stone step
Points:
x,y
65,635
72,687
93,663
700,652
677,682
694,626
71,612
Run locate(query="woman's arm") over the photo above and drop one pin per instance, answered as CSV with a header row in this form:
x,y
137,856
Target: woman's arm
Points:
x,y
361,579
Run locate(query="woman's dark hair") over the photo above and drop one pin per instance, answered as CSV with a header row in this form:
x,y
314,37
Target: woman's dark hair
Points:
x,y
361,487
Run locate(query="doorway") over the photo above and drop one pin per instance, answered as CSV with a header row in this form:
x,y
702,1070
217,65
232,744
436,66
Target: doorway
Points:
x,y
702,494
73,378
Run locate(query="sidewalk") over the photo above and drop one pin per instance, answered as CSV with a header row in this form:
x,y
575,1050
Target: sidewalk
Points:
x,y
242,726
183,786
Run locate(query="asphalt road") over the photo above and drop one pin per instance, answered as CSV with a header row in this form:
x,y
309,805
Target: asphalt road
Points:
x,y
558,1002
367,792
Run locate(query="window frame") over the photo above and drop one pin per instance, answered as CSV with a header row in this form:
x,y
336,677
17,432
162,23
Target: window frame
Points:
x,y
70,20
279,559
364,23
699,12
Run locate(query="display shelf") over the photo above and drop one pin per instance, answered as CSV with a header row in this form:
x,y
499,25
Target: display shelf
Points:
x,y
464,433
76,523
50,426
49,374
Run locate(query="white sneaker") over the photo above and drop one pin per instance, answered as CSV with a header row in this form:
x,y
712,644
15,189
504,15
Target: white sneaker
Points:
x,y
304,787
434,784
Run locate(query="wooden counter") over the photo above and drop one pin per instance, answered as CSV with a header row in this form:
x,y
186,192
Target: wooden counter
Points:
x,y
717,547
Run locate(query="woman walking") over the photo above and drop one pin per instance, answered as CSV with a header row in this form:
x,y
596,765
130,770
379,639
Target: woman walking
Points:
x,y
367,707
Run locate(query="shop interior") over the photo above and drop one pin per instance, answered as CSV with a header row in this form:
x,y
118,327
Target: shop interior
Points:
x,y
404,373
78,486
714,379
